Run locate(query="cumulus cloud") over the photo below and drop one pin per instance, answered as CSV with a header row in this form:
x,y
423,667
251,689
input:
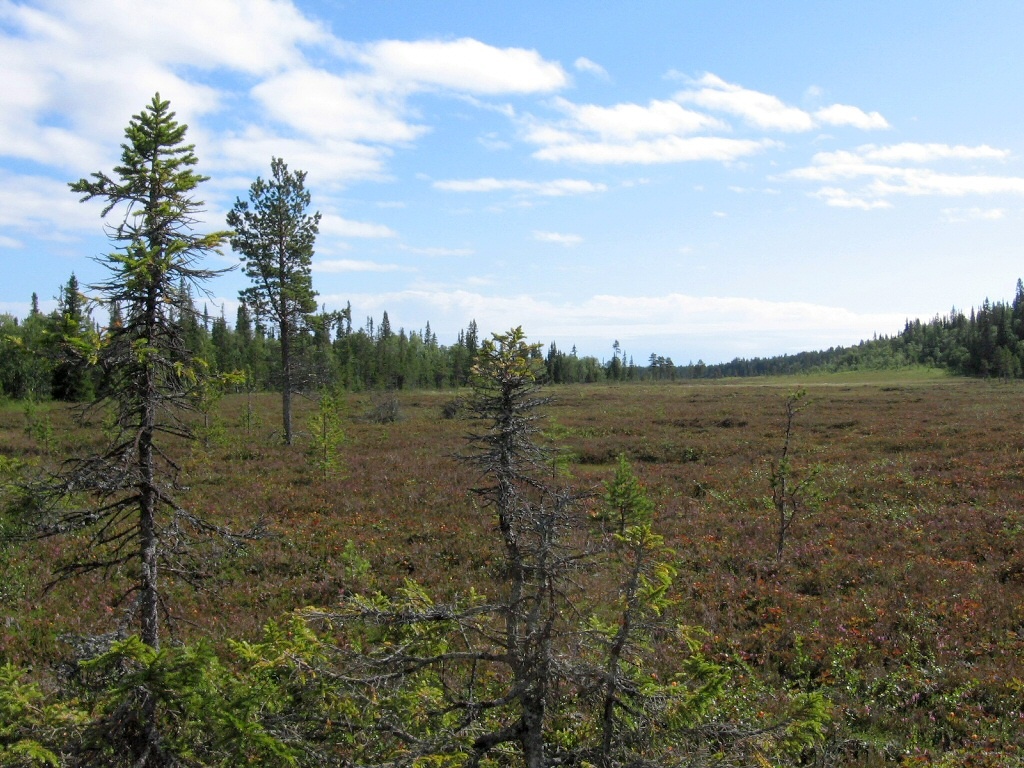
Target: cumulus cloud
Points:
x,y
670,149
332,224
882,173
924,153
960,215
840,198
553,188
594,320
464,65
328,160
437,251
559,238
844,114
759,109
66,91
681,129
321,102
325,105
658,132
583,64
43,207
625,122
352,265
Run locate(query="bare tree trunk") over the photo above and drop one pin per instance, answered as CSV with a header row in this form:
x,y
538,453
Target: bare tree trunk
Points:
x,y
532,738
148,549
148,598
286,383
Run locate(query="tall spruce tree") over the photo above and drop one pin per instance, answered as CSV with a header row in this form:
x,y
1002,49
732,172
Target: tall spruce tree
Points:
x,y
275,236
121,499
120,502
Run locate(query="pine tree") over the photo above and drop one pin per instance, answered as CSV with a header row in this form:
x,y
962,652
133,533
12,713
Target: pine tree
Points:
x,y
275,237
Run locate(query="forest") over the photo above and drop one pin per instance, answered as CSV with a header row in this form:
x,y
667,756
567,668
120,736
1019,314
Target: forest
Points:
x,y
289,541
330,353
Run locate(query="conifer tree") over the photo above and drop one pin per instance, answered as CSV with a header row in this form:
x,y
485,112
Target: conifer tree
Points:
x,y
69,380
275,235
148,374
121,500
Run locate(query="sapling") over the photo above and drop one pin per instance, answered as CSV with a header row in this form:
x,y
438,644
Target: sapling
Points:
x,y
790,491
326,434
626,500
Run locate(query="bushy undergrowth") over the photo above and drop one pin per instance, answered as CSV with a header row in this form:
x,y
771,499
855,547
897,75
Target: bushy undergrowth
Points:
x,y
899,599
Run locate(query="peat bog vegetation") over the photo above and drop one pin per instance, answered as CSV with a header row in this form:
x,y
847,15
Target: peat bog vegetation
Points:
x,y
899,596
443,566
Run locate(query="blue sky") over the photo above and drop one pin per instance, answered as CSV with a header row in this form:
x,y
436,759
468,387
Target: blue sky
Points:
x,y
694,179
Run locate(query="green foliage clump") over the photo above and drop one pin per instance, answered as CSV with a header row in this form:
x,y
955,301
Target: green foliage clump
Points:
x,y
626,501
327,434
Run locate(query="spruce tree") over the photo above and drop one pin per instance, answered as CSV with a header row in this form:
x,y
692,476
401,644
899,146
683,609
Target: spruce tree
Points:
x,y
70,332
121,500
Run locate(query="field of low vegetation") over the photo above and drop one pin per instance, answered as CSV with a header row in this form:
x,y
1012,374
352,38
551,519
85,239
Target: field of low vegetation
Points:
x,y
898,595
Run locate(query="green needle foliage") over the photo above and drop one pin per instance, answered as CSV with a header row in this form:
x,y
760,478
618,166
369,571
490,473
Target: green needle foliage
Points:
x,y
120,503
627,501
275,237
326,434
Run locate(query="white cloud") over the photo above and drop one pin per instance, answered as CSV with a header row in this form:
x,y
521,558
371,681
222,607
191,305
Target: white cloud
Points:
x,y
464,65
844,114
326,161
671,149
254,36
324,105
492,142
915,182
882,177
601,318
75,72
332,224
44,208
626,122
436,251
352,265
840,198
554,188
759,109
566,240
924,153
583,64
960,215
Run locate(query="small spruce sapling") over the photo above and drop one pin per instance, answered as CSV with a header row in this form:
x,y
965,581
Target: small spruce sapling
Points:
x,y
627,501
250,419
791,493
326,434
626,708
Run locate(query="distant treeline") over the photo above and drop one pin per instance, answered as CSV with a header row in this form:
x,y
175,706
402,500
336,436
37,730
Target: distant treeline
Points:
x,y
986,342
46,355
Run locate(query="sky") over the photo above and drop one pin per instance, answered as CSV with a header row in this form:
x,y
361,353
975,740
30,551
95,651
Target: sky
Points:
x,y
700,180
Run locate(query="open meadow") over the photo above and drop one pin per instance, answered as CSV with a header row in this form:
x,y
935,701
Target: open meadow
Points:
x,y
899,593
